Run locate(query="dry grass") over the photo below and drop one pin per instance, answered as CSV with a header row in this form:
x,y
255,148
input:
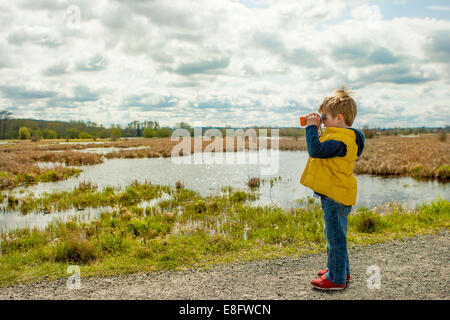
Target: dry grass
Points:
x,y
19,164
422,157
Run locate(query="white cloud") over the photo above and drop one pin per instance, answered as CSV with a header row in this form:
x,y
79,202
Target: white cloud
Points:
x,y
239,63
367,12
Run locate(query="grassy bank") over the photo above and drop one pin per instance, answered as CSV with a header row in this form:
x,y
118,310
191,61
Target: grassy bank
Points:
x,y
188,230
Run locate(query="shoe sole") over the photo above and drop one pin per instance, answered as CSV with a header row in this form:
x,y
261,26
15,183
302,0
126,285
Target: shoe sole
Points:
x,y
327,289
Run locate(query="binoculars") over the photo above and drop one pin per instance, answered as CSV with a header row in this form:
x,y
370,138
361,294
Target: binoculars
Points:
x,y
322,117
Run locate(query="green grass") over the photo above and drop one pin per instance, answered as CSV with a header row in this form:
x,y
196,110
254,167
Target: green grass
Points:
x,y
87,195
187,231
49,175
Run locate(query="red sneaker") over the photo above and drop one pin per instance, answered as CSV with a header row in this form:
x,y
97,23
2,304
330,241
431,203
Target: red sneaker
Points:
x,y
323,283
322,272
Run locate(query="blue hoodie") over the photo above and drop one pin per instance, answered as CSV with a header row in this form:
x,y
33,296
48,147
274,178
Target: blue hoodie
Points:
x,y
330,148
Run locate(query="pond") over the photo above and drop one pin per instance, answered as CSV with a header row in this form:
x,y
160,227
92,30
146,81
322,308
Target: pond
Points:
x,y
208,178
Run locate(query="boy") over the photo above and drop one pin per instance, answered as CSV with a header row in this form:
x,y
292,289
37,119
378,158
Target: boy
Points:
x,y
329,173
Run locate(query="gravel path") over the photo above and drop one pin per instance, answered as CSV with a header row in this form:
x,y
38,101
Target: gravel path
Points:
x,y
414,268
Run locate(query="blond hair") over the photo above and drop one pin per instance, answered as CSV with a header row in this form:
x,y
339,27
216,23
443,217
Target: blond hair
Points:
x,y
340,102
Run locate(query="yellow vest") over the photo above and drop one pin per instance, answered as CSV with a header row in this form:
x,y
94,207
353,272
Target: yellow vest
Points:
x,y
333,177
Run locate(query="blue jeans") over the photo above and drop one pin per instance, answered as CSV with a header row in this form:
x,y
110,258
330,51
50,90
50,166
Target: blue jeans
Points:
x,y
335,215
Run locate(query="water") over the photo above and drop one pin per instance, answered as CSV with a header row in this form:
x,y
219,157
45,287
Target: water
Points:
x,y
102,151
208,179
109,149
83,142
15,220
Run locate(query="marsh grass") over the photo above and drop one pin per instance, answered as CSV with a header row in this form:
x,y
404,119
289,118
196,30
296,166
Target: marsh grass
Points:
x,y
19,165
188,230
424,157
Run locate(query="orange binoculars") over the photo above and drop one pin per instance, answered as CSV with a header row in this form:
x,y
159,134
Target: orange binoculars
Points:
x,y
322,117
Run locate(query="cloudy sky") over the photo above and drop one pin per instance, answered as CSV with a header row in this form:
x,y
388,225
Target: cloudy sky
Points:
x,y
224,62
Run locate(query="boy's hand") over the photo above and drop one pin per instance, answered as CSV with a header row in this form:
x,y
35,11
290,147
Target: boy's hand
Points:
x,y
312,118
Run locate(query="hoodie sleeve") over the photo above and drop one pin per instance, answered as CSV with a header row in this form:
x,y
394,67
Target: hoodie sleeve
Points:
x,y
326,149
360,141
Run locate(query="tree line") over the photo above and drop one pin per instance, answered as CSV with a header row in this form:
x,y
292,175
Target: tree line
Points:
x,y
48,129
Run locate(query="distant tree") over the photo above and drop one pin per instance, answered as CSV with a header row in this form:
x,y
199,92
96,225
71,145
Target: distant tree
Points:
x,y
184,125
138,130
163,132
4,115
103,134
51,135
38,133
85,135
149,133
72,133
116,133
24,133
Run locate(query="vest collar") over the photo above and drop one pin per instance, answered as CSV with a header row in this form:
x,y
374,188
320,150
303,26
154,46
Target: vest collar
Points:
x,y
345,131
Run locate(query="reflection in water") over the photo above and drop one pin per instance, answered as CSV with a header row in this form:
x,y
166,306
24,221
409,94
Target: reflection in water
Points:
x,y
15,220
208,179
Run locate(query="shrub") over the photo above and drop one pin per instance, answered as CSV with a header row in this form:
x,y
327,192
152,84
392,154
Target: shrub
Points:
x,y
149,133
51,134
116,133
85,135
72,133
75,249
24,133
367,222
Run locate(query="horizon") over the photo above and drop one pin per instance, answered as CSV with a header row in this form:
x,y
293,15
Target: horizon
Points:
x,y
240,63
162,125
